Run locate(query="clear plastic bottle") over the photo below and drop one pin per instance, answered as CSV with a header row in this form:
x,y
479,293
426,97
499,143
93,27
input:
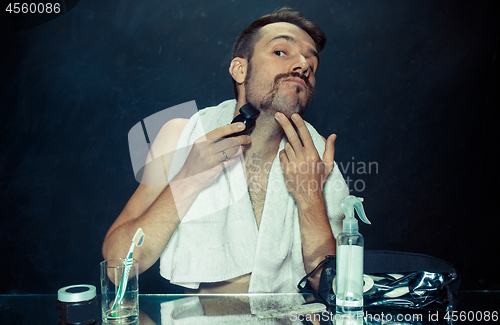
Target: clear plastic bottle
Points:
x,y
350,243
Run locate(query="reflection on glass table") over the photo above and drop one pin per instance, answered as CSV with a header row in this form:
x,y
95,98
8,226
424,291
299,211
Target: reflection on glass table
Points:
x,y
238,309
473,307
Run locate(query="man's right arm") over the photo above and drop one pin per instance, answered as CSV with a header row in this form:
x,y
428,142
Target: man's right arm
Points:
x,y
151,207
157,208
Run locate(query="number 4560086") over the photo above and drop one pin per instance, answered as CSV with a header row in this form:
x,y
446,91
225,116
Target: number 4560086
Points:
x,y
472,316
33,8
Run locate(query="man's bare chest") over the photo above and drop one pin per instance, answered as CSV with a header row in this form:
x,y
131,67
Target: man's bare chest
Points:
x,y
257,180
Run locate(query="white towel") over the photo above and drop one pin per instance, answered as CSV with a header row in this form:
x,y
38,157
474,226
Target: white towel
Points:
x,y
218,238
190,310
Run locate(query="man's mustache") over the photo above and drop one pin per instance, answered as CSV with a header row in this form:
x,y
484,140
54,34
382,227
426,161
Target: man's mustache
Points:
x,y
282,76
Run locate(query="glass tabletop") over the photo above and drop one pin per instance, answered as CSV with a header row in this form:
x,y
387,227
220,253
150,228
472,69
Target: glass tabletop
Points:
x,y
473,306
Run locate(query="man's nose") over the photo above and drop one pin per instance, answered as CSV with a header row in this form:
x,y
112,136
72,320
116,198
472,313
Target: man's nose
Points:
x,y
302,66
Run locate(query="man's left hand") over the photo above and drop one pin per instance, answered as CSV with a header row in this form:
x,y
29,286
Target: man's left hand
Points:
x,y
304,171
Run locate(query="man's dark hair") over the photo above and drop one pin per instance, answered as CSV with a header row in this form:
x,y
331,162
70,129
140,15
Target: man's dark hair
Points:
x,y
245,43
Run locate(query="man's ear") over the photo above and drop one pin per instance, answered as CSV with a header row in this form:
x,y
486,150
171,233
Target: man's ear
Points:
x,y
238,69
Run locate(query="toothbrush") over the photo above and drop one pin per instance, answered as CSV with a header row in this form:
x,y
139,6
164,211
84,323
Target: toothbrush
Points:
x,y
138,240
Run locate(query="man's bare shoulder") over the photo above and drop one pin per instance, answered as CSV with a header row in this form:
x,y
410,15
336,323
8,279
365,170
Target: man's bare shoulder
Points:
x,y
172,127
166,141
170,132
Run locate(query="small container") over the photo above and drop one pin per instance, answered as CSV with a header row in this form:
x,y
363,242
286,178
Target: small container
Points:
x,y
77,304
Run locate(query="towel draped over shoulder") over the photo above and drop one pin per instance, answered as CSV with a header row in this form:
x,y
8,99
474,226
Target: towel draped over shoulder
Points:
x,y
218,238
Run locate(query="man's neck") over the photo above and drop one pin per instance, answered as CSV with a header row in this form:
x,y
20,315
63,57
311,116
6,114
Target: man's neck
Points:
x,y
266,137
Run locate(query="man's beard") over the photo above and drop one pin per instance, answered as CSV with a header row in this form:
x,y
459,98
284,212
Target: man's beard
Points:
x,y
277,103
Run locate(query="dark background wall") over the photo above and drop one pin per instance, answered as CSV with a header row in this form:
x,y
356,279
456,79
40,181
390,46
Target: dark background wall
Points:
x,y
408,86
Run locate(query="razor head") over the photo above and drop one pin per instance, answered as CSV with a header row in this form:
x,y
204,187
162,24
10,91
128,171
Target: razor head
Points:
x,y
248,115
249,111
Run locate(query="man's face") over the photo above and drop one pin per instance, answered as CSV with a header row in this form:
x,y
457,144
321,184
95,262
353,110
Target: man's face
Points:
x,y
281,73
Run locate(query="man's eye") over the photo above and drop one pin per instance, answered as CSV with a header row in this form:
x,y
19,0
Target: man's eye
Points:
x,y
280,53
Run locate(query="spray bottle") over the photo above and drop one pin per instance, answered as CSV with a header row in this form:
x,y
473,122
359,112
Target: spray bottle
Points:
x,y
349,279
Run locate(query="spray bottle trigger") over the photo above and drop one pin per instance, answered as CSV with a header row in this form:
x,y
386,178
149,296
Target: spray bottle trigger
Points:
x,y
361,211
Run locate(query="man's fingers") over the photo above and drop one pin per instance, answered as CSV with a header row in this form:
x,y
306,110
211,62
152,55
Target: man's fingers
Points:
x,y
290,152
303,131
226,143
232,154
212,145
283,157
292,136
225,130
218,142
329,154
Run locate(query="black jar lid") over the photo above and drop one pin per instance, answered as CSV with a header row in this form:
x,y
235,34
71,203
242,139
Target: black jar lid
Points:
x,y
76,293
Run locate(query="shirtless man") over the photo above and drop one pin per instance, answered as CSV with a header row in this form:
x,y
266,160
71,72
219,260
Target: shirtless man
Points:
x,y
277,77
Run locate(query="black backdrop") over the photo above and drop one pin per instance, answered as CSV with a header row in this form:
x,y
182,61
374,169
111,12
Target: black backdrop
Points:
x,y
408,86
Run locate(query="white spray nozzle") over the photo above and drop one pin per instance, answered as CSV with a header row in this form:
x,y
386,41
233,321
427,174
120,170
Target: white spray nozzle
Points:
x,y
347,205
